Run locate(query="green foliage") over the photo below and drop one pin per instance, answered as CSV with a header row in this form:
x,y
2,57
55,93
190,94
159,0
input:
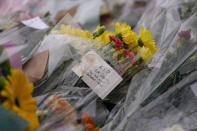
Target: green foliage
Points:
x,y
4,63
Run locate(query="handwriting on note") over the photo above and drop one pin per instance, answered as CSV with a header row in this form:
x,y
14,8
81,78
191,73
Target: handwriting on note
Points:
x,y
97,74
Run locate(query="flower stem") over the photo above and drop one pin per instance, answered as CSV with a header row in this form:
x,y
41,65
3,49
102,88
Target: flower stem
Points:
x,y
133,47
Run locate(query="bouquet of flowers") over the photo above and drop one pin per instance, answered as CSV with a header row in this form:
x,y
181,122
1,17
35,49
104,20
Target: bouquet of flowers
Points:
x,y
123,49
22,40
109,79
164,18
102,60
16,103
175,61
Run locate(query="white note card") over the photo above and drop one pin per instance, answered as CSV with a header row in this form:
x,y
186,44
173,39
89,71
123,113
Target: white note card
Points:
x,y
97,74
35,23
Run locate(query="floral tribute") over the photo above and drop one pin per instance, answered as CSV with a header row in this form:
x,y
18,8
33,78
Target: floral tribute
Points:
x,y
15,94
123,49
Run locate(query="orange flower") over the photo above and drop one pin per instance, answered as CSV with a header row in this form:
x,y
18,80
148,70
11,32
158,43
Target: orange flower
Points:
x,y
61,106
88,122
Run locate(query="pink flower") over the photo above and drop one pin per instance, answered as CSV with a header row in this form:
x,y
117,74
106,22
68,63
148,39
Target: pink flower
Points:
x,y
116,41
125,53
131,55
185,34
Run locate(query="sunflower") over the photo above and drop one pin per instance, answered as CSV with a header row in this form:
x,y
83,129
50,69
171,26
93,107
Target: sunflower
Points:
x,y
145,40
17,92
128,36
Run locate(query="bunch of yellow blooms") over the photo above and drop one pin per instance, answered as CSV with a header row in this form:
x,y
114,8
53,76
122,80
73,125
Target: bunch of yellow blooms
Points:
x,y
68,29
143,45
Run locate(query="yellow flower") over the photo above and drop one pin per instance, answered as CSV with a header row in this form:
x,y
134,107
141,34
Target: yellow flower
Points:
x,y
145,37
108,35
99,27
136,49
145,53
104,37
18,98
67,29
120,28
128,36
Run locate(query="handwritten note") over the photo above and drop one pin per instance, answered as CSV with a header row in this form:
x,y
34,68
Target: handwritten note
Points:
x,y
35,23
97,74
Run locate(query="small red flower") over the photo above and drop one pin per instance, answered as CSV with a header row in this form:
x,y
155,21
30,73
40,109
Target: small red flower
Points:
x,y
125,53
117,42
185,34
131,55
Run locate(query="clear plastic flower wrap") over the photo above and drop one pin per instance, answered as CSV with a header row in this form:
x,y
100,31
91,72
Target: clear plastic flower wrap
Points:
x,y
175,52
112,81
175,109
21,40
57,110
16,102
164,18
132,11
126,59
71,60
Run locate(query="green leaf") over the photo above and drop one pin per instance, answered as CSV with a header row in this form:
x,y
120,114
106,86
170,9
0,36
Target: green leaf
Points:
x,y
2,82
47,14
5,68
4,63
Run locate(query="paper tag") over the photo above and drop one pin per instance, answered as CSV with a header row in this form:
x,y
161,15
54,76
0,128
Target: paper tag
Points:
x,y
36,66
194,88
36,23
97,74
